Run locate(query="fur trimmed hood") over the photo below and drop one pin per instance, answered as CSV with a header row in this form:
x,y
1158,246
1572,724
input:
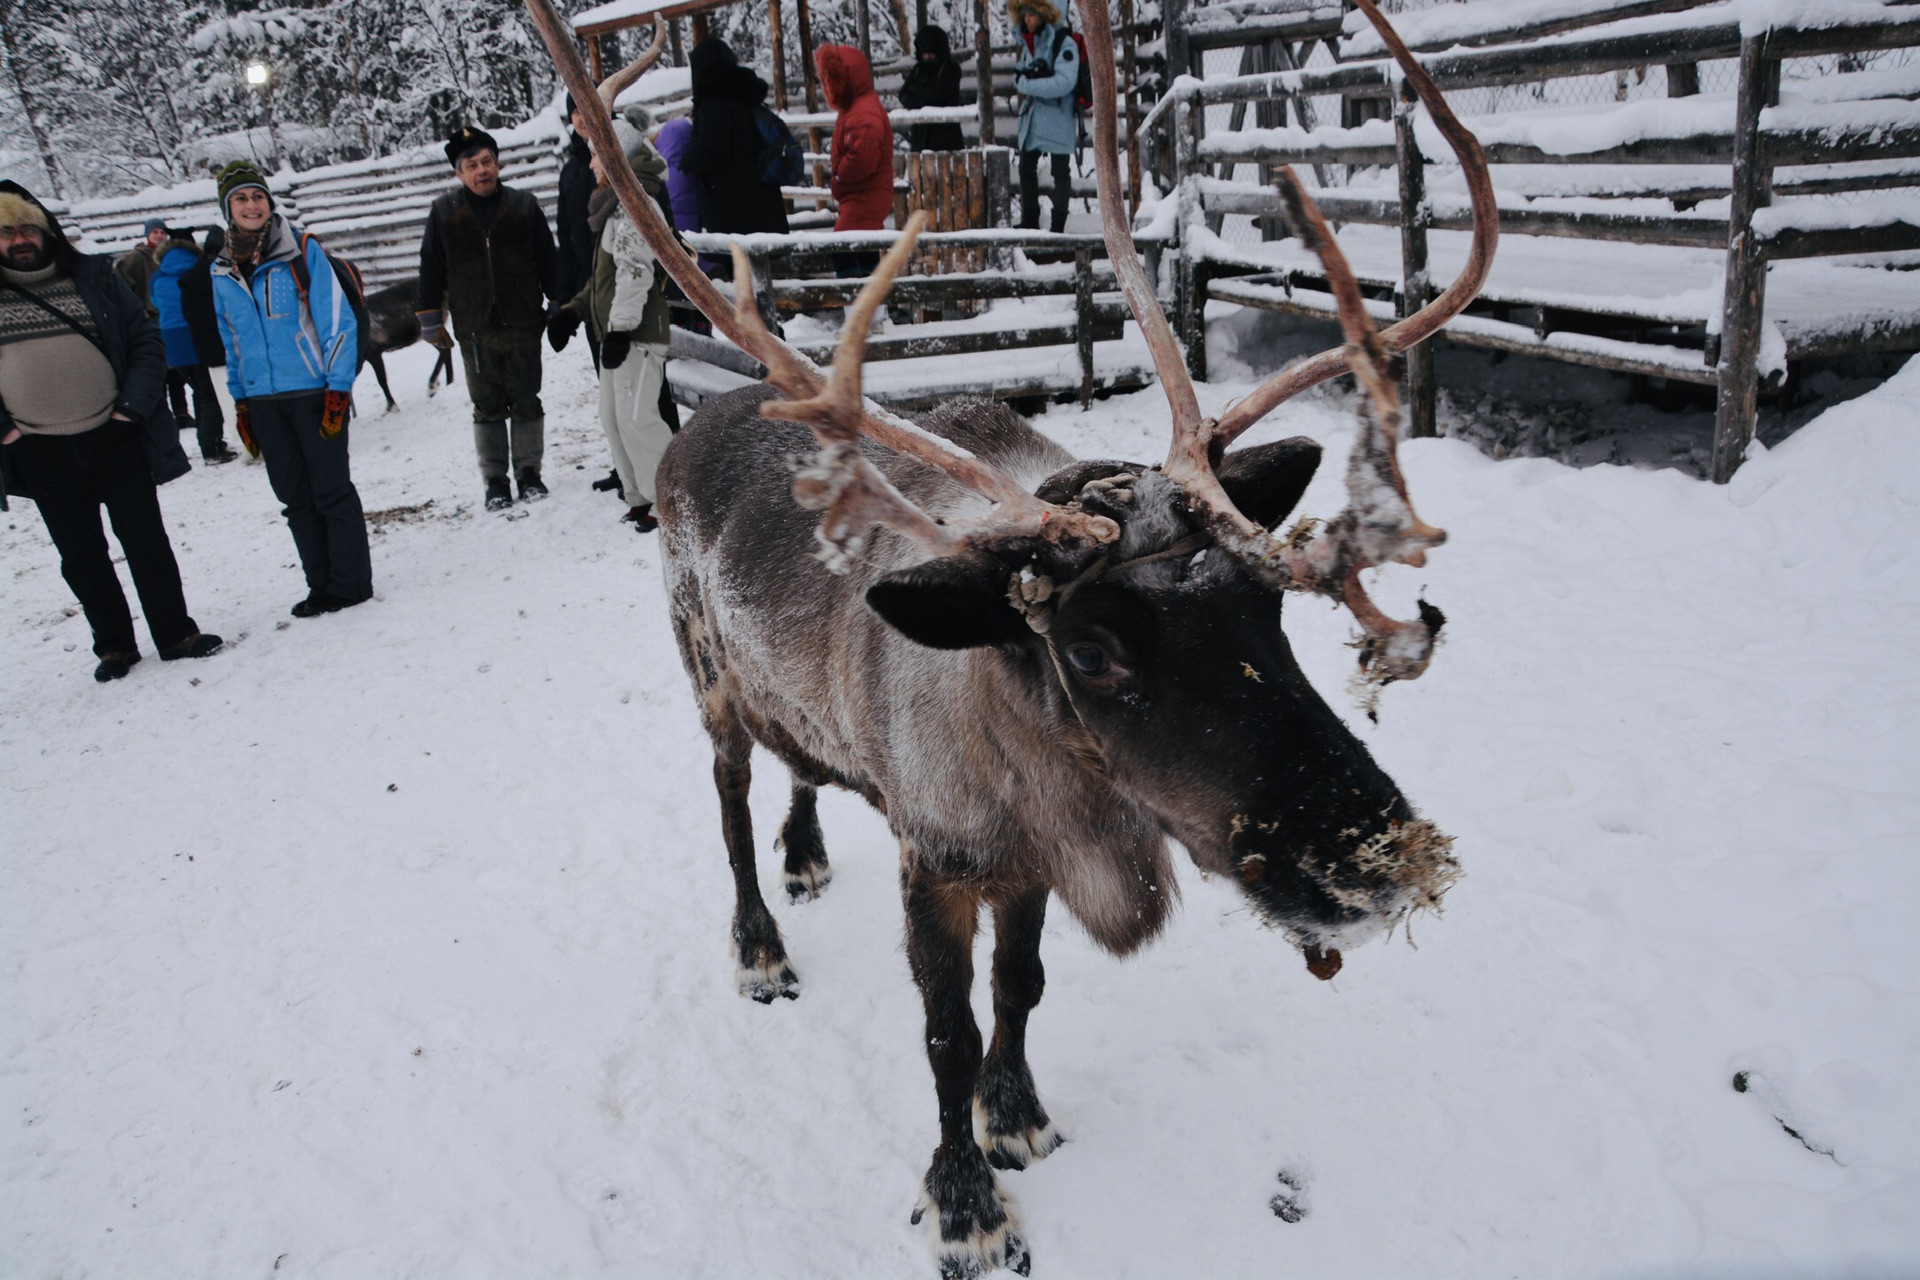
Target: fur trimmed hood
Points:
x,y
1049,12
844,74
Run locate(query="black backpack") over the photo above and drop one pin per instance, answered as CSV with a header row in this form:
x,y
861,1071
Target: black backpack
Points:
x,y
782,161
349,277
1083,82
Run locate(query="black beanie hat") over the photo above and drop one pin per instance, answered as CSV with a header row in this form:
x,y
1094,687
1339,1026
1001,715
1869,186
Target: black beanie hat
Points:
x,y
468,139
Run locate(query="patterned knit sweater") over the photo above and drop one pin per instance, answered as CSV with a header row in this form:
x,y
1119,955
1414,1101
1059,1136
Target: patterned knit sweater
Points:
x,y
53,381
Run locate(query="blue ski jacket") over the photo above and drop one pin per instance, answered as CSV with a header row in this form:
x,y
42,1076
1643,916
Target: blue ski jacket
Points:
x,y
275,345
1046,102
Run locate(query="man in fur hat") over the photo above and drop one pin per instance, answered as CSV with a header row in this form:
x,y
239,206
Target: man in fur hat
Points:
x,y
84,424
488,257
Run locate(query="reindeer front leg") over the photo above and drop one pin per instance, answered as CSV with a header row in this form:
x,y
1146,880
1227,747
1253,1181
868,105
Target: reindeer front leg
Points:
x,y
973,1230
1013,1126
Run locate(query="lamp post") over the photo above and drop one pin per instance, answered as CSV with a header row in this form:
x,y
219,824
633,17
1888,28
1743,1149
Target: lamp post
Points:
x,y
261,79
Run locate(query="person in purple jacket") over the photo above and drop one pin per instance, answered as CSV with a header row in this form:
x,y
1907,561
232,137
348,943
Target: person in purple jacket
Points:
x,y
683,190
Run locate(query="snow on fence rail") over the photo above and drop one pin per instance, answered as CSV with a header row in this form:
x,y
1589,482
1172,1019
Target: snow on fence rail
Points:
x,y
1675,290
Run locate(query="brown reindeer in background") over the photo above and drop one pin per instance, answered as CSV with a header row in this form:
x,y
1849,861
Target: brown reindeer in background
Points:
x,y
1040,669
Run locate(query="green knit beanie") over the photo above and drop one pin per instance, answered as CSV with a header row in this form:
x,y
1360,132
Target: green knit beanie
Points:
x,y
239,174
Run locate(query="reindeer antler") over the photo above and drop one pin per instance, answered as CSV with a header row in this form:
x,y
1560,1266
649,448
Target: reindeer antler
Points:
x,y
853,492
1379,524
616,84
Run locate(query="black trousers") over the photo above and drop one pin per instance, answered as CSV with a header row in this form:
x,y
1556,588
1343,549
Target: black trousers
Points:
x,y
1030,189
71,478
207,418
311,478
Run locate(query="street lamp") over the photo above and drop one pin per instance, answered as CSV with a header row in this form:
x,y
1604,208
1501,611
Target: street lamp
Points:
x,y
257,76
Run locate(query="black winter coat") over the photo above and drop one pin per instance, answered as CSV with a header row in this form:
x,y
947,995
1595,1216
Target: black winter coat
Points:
x,y
134,347
575,242
723,154
932,82
196,303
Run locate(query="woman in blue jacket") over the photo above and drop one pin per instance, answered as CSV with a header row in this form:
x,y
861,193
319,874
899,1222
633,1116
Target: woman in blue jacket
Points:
x,y
178,257
1048,69
292,352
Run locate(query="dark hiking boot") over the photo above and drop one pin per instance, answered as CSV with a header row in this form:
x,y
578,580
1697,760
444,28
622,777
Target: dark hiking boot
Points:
x,y
319,602
610,483
642,518
499,494
218,456
197,645
531,490
114,665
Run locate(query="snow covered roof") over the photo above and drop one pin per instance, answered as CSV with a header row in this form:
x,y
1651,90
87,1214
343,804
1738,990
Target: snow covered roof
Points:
x,y
617,15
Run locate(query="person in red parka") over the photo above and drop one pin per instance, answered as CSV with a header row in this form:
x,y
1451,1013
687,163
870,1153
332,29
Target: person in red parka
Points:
x,y
862,161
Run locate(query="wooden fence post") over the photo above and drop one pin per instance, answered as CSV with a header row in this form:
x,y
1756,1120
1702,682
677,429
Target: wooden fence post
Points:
x,y
1416,286
760,281
774,38
1083,320
1190,288
1744,313
983,69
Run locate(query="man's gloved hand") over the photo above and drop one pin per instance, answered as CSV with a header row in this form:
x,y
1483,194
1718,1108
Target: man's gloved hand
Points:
x,y
1040,70
614,348
560,327
243,426
333,418
433,329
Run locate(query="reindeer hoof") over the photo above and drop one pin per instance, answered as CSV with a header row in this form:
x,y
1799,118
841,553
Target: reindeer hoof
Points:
x,y
1018,1150
808,883
971,1227
763,982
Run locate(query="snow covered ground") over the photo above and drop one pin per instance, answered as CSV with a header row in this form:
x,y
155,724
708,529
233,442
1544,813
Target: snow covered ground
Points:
x,y
392,943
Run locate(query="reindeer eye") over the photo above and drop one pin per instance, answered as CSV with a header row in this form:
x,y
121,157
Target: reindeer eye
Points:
x,y
1089,660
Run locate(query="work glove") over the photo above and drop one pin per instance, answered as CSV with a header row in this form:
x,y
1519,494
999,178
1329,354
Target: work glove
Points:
x,y
560,327
243,426
614,348
433,329
333,418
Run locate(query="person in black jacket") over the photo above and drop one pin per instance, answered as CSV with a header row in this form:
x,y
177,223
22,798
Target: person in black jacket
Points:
x,y
724,152
84,423
196,302
934,81
576,243
487,256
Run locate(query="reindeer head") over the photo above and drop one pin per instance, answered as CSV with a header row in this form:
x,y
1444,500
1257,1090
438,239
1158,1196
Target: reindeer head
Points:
x,y
1152,595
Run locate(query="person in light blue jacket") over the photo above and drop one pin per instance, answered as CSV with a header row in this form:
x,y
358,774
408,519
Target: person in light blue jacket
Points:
x,y
292,353
1045,75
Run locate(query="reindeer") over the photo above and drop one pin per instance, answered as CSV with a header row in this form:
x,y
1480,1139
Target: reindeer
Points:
x,y
1040,668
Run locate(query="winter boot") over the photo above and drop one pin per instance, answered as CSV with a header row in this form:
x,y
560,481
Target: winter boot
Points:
x,y
114,665
220,454
499,494
531,490
197,645
610,483
642,518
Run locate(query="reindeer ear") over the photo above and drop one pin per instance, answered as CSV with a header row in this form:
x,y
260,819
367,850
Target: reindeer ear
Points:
x,y
959,602
1267,480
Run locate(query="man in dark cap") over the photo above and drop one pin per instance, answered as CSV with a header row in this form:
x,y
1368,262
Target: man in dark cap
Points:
x,y
84,424
137,265
488,258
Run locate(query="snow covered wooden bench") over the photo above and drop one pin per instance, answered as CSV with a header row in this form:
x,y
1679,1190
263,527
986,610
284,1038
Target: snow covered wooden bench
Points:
x,y
1673,238
1052,328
